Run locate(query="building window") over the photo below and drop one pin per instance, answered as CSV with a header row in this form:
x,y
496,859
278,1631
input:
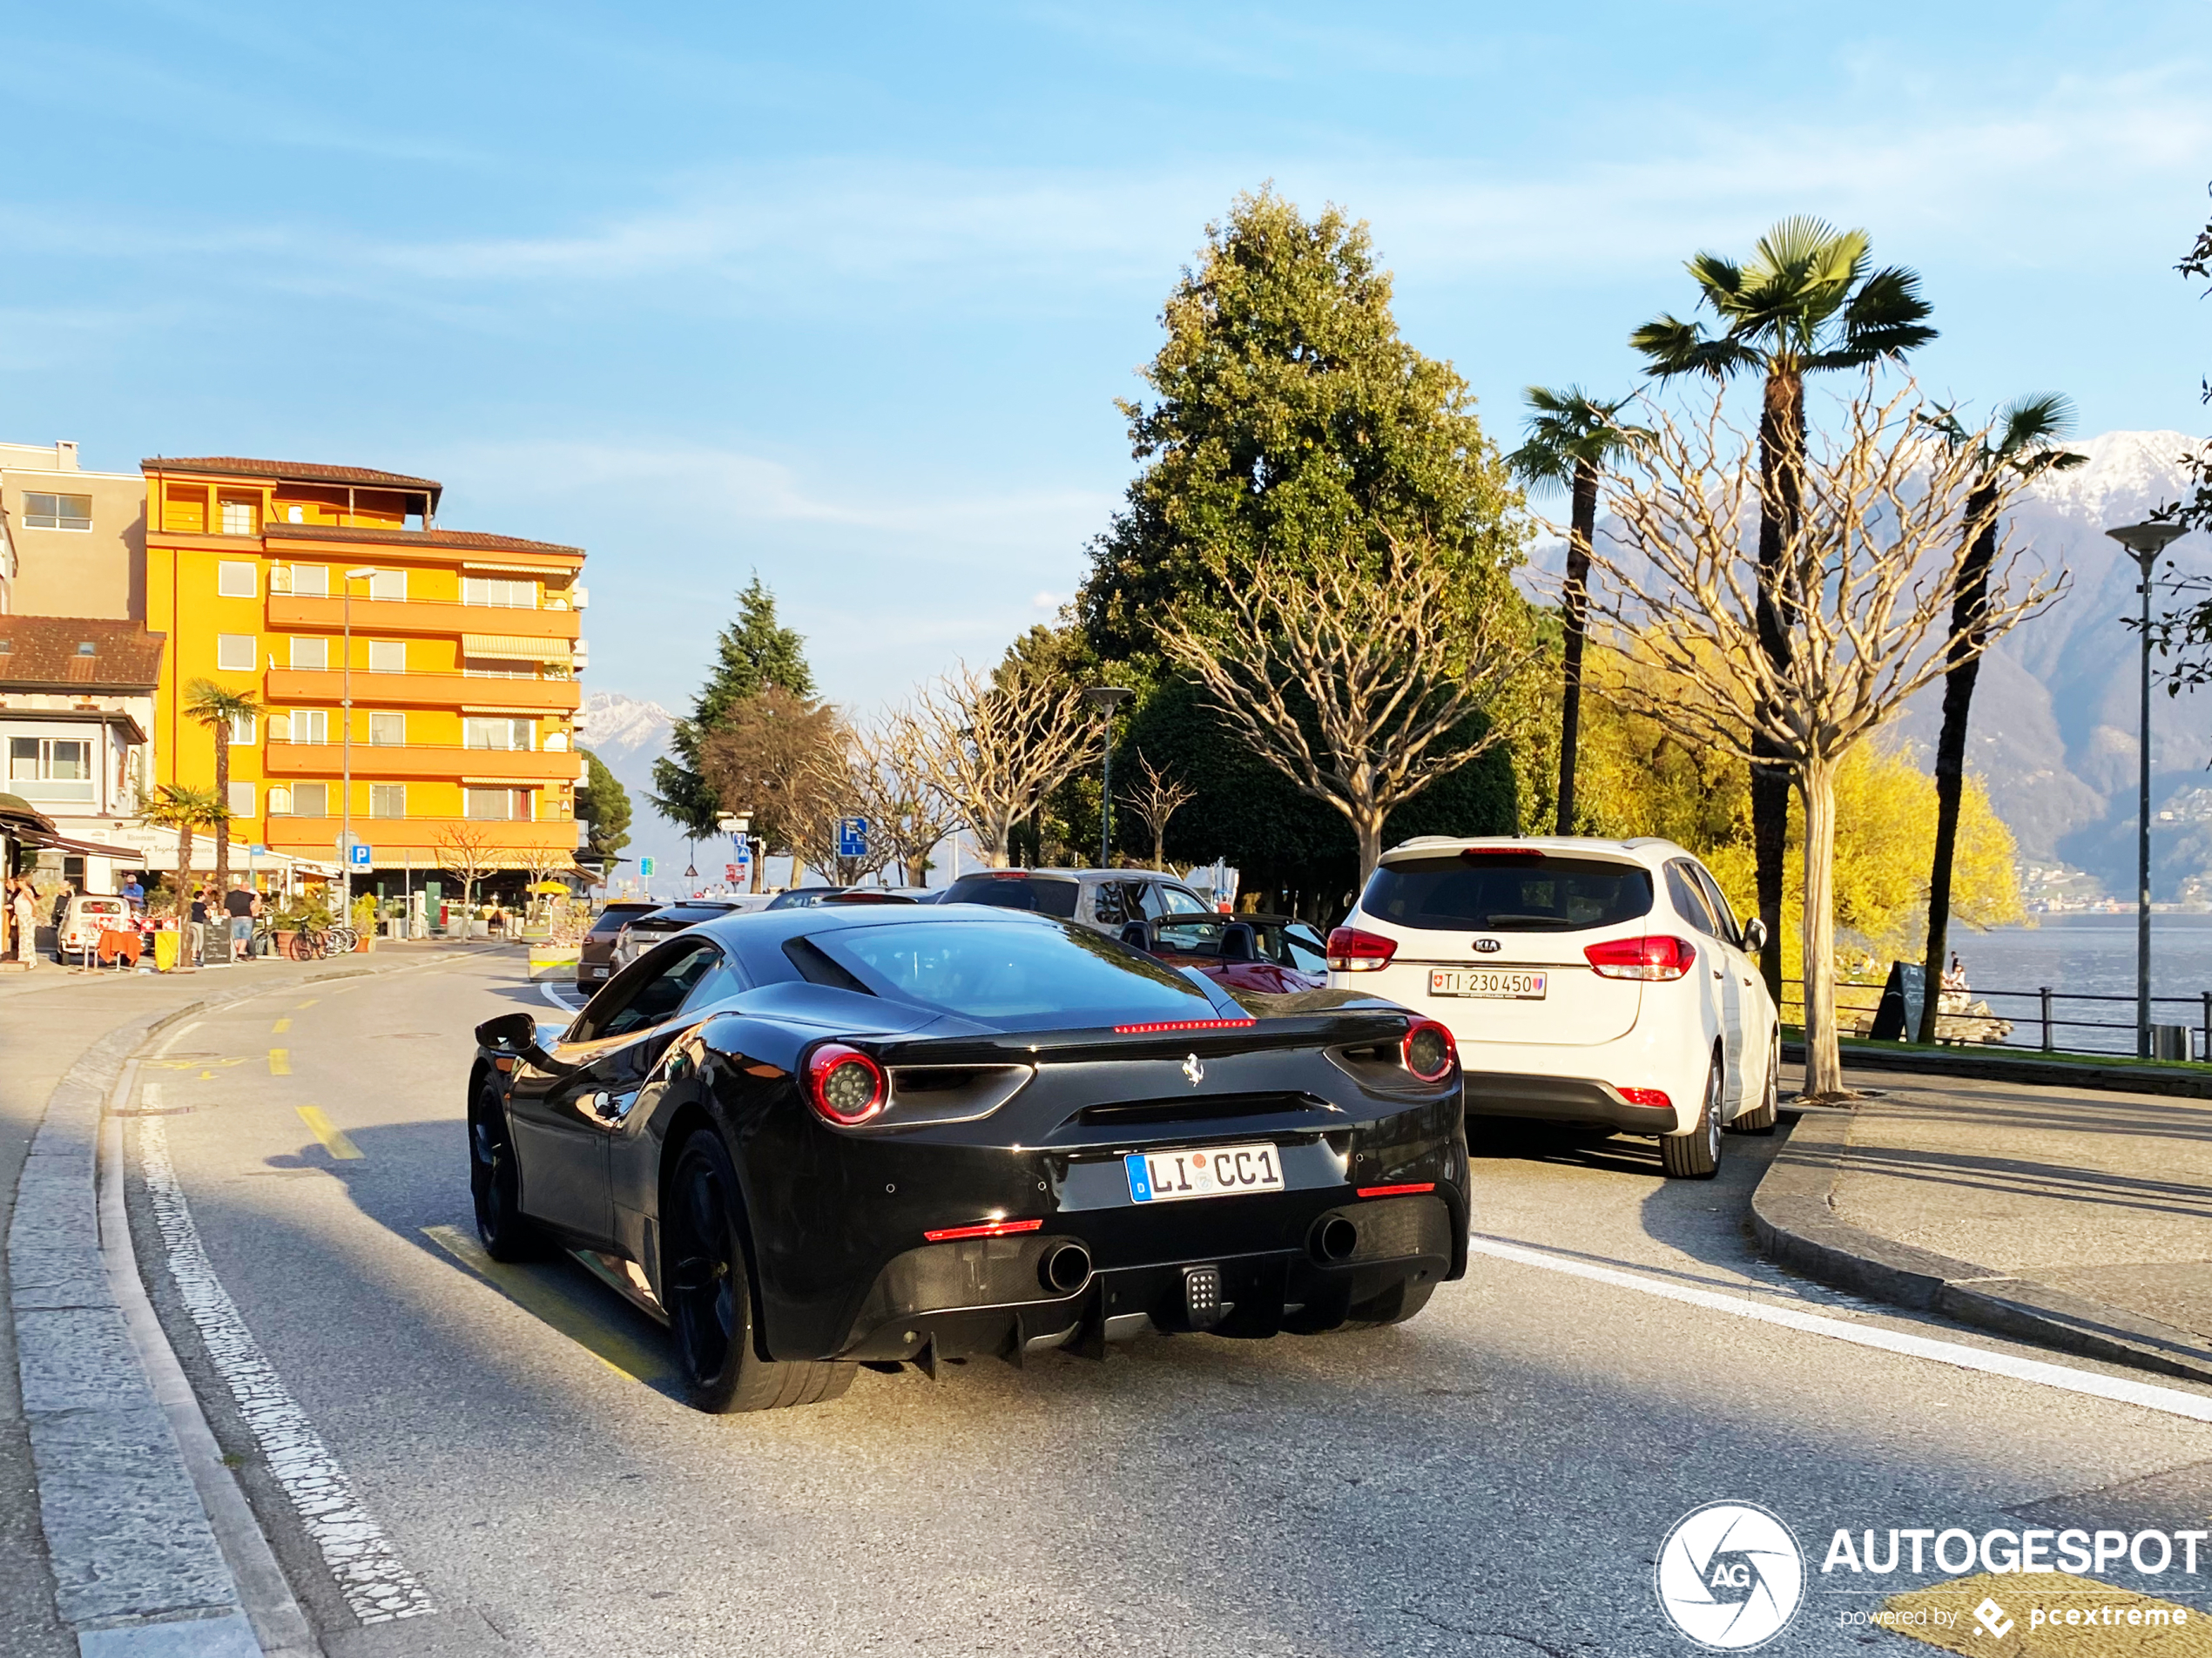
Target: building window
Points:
x,y
280,801
242,732
235,652
311,581
388,584
57,512
310,653
388,731
310,799
311,725
495,805
241,799
388,799
51,768
491,590
238,517
388,655
496,733
236,579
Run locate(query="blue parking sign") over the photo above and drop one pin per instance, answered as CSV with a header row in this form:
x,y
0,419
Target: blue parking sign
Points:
x,y
852,837
358,855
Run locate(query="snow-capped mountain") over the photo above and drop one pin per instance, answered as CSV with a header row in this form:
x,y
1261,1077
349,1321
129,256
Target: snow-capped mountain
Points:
x,y
628,735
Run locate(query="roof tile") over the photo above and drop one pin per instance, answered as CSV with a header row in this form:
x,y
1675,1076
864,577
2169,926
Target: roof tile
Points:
x,y
45,651
290,471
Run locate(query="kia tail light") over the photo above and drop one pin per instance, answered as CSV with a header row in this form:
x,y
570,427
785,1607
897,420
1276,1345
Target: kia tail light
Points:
x,y
1645,958
1352,951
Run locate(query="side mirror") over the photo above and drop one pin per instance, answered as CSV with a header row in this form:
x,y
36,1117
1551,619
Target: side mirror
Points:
x,y
509,1033
1754,936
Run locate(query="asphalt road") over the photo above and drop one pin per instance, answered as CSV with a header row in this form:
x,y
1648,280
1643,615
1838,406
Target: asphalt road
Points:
x,y
1494,1478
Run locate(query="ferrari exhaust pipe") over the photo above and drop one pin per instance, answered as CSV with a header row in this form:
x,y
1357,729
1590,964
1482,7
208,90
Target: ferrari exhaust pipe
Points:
x,y
1066,1269
1335,1239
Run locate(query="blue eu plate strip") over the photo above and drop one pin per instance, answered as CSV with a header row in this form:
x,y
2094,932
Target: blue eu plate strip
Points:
x,y
1140,1177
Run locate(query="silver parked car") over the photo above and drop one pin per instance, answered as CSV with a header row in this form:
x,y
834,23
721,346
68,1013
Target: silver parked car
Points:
x,y
1106,900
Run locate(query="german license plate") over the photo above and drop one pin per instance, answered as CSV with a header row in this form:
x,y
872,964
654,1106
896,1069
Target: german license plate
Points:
x,y
1507,984
1223,1171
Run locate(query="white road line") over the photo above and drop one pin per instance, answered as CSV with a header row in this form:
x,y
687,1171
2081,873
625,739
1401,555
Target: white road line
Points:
x,y
178,1035
2148,1395
554,997
370,1575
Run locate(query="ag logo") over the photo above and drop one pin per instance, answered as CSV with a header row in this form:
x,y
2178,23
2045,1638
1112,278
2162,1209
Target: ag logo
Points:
x,y
1488,946
1730,1576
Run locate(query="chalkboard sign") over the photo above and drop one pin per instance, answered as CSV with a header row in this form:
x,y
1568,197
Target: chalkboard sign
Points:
x,y
1898,1017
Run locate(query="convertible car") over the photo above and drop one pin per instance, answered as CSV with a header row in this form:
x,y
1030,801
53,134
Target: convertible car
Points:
x,y
814,1139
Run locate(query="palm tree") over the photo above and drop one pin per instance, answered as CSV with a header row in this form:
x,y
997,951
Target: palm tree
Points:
x,y
2022,440
183,807
1571,436
219,708
1805,303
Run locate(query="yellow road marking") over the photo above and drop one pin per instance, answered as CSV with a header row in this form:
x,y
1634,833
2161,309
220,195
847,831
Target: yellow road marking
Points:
x,y
548,1294
280,1061
280,1027
332,1137
309,1002
184,1064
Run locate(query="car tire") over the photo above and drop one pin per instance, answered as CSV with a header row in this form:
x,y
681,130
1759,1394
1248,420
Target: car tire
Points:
x,y
495,1183
1762,1117
708,1295
1697,1155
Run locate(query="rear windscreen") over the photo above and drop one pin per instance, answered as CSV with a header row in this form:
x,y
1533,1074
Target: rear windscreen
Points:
x,y
1060,977
1055,898
1493,893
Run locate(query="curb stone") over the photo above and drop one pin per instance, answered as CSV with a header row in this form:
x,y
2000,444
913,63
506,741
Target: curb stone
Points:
x,y
139,1570
2170,1081
1794,1219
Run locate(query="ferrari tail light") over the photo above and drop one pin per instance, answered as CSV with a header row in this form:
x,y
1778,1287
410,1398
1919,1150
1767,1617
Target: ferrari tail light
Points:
x,y
1428,1050
1352,951
1644,958
845,1086
1655,1098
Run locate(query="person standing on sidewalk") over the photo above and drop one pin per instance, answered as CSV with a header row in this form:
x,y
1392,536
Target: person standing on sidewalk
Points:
x,y
237,905
23,908
196,927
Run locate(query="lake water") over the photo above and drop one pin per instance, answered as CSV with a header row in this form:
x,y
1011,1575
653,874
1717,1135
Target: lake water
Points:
x,y
2089,955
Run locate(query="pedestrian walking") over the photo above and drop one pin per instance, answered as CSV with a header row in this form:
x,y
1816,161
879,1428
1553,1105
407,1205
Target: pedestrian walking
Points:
x,y
196,926
254,912
238,906
23,907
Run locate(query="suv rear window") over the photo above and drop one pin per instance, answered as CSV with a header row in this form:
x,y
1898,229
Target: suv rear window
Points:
x,y
612,919
1492,892
1042,894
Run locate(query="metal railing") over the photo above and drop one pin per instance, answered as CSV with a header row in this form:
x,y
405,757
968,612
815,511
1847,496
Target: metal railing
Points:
x,y
2045,1015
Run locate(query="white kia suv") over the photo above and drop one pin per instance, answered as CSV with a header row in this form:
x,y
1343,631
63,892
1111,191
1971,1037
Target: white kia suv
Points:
x,y
1604,983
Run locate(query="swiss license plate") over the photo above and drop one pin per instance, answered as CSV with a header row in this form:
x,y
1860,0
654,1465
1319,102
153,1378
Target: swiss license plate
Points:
x,y
1223,1171
1507,983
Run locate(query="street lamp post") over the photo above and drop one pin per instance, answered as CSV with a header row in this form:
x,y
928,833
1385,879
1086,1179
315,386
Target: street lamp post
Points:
x,y
346,739
1106,699
2147,541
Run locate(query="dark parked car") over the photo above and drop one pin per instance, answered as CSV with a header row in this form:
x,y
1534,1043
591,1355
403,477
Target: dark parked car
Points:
x,y
1107,900
641,932
898,1135
1274,954
595,963
802,897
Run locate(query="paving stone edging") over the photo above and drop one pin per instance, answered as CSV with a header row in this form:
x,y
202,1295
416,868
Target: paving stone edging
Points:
x,y
1988,1065
1794,1220
138,1568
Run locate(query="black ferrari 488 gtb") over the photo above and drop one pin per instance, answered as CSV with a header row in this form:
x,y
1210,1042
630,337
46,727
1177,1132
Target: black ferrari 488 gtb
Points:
x,y
820,1138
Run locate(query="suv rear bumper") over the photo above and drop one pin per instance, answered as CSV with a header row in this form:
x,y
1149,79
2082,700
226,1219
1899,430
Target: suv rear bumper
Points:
x,y
1563,1099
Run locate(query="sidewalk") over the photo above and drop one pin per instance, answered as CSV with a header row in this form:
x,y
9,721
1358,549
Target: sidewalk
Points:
x,y
2081,1220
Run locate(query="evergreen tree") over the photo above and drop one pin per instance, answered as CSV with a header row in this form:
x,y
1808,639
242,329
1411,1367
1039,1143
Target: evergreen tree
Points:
x,y
603,804
754,652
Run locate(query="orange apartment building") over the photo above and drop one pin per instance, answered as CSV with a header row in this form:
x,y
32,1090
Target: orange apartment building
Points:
x,y
461,673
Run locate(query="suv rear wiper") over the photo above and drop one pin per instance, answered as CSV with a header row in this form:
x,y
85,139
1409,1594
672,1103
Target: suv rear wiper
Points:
x,y
1527,921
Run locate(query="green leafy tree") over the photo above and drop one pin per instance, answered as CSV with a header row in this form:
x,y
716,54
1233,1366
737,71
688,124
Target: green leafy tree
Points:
x,y
1571,436
754,652
186,808
603,804
1807,301
221,709
2023,442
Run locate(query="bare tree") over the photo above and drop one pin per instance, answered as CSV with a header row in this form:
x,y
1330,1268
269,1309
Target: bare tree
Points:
x,y
784,758
1870,567
471,854
1157,798
909,818
991,746
1362,685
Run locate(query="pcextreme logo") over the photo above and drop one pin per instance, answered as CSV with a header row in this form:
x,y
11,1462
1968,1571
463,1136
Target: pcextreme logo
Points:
x,y
1730,1576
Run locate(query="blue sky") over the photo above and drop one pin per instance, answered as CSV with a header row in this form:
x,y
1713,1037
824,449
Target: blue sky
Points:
x,y
847,295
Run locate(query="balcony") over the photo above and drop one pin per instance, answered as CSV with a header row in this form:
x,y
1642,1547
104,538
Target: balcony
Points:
x,y
397,841
309,686
401,762
441,618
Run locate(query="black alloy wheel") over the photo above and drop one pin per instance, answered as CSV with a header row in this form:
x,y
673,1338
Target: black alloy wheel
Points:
x,y
495,1182
710,1300
1697,1155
